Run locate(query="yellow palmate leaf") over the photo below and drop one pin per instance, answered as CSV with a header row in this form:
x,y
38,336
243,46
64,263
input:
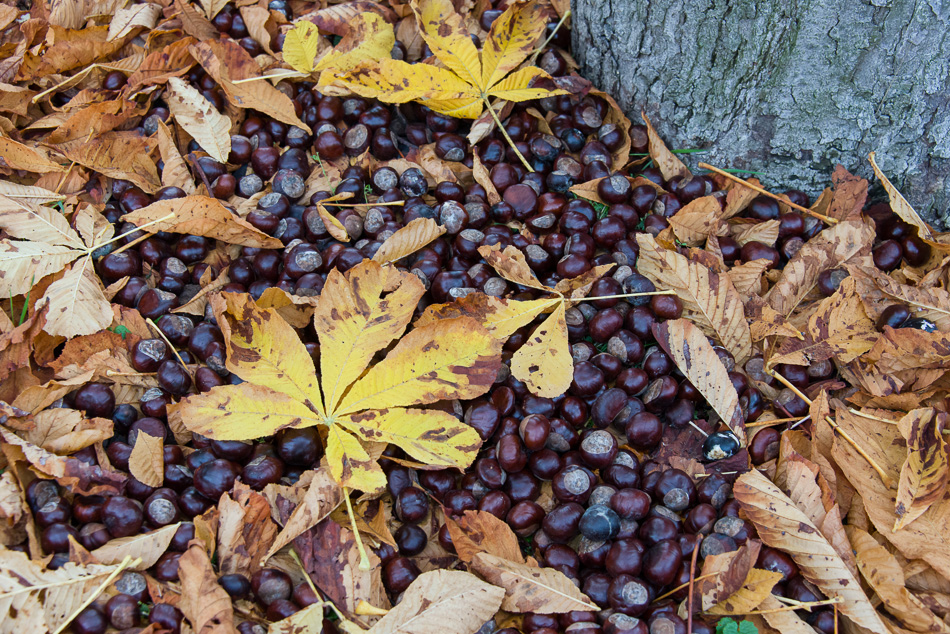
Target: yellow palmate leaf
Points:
x,y
243,412
357,316
514,87
511,39
451,358
442,30
350,463
370,38
544,362
431,436
500,316
395,81
467,108
264,349
300,46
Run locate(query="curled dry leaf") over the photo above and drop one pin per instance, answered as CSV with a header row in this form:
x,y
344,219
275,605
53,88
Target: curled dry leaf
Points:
x,y
199,118
17,156
764,232
829,249
203,601
66,431
442,602
924,475
146,462
481,532
408,239
148,547
876,288
697,220
323,495
690,351
202,216
175,173
883,573
709,298
245,531
848,196
667,162
530,589
724,574
747,277
909,349
782,525
899,204
34,599
306,621
756,588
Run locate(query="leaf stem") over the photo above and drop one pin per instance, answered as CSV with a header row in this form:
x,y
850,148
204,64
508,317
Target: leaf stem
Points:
x,y
547,41
128,561
805,210
364,558
96,247
170,345
880,472
790,608
590,299
514,147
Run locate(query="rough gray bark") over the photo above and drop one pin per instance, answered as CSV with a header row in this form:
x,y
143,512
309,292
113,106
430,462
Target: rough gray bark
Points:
x,y
788,88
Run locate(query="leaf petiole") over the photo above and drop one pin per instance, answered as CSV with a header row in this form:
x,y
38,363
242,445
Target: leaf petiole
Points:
x,y
514,147
646,294
364,558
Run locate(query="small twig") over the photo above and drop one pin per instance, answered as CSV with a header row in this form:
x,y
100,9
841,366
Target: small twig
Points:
x,y
791,608
694,426
689,597
177,356
128,561
835,607
880,472
773,421
280,75
514,147
683,585
547,41
364,558
193,161
869,416
765,192
96,247
807,418
62,181
394,202
623,296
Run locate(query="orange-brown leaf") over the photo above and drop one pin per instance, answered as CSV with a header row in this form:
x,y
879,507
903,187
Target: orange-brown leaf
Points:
x,y
925,473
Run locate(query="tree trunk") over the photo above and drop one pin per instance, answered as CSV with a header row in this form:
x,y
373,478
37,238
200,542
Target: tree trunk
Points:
x,y
788,88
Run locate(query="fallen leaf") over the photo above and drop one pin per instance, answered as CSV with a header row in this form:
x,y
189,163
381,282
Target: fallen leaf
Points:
x,y
66,431
408,239
849,194
530,589
723,575
147,462
449,601
883,573
77,303
245,531
756,588
781,525
694,356
203,601
139,16
309,620
829,249
544,362
697,220
195,114
481,532
668,163
876,287
149,547
195,24
18,156
924,475
765,232
119,155
463,87
899,204
708,298
202,216
368,38
323,495
175,171
899,349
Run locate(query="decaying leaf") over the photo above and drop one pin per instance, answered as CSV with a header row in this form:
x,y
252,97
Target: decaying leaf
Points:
x,y
146,463
667,162
782,525
323,495
462,88
148,547
697,220
356,316
447,601
708,298
687,346
203,601
245,531
200,119
530,589
755,589
924,474
408,239
481,532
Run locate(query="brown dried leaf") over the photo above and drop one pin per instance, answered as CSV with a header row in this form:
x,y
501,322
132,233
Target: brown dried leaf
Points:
x,y
697,220
134,17
899,204
202,216
203,601
850,193
443,601
510,263
323,495
782,525
84,479
199,118
708,298
765,232
245,531
17,156
687,346
667,162
883,573
909,349
530,589
306,621
838,329
747,277
828,250
147,462
724,574
755,589
738,197
876,287
330,557
408,239
148,547
483,177
924,475
175,172
118,155
66,431
481,532
195,24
